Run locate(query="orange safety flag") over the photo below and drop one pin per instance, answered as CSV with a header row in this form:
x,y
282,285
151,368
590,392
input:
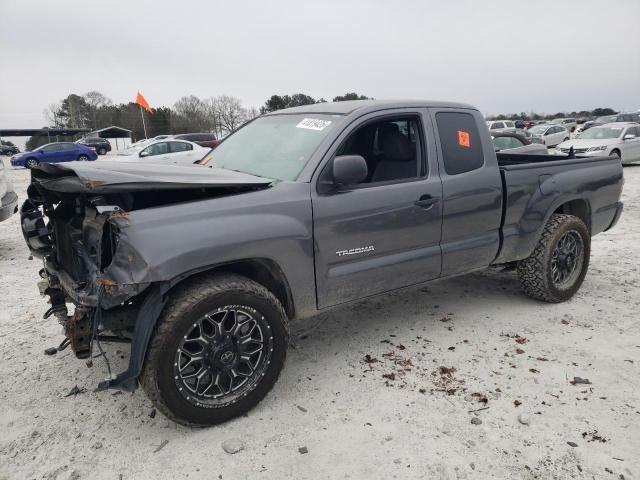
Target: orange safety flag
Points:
x,y
140,100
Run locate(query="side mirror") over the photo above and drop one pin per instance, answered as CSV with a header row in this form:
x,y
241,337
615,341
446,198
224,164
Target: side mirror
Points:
x,y
144,153
629,136
349,170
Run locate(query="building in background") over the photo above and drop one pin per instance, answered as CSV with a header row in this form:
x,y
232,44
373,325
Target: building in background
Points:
x,y
119,138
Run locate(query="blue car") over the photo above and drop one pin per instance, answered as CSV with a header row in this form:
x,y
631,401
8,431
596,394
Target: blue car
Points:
x,y
53,153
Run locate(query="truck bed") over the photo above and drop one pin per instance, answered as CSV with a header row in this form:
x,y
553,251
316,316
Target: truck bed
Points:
x,y
535,186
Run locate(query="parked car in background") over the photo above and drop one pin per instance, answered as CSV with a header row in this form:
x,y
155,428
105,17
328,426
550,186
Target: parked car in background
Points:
x,y
8,198
551,135
501,126
620,140
520,124
179,152
568,123
507,142
203,139
528,135
584,126
618,117
100,145
146,141
54,153
8,148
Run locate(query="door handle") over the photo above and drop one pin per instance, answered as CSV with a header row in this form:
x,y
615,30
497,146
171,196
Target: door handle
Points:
x,y
426,201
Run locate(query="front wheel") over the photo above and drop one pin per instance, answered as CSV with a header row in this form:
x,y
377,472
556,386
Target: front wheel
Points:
x,y
83,158
102,151
31,163
218,349
556,269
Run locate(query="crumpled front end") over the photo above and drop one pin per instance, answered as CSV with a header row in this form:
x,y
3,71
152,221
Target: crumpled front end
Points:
x,y
79,241
77,220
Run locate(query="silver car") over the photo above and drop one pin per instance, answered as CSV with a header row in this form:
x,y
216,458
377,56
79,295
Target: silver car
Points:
x,y
621,139
513,143
551,135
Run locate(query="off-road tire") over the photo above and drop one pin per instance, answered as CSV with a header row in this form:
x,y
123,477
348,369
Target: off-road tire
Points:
x,y
190,300
535,272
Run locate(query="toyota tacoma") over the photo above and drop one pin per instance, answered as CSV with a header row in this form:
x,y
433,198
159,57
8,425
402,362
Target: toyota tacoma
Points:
x,y
201,268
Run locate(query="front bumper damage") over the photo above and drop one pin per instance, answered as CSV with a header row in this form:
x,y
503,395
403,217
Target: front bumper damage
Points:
x,y
78,219
107,305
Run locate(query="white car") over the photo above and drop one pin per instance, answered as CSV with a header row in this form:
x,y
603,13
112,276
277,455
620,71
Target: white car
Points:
x,y
568,123
179,152
147,141
551,135
501,126
620,139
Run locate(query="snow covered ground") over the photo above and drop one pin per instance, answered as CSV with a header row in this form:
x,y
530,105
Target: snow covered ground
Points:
x,y
463,378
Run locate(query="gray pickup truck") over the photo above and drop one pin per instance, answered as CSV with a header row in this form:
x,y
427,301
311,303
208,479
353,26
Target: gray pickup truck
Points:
x,y
202,267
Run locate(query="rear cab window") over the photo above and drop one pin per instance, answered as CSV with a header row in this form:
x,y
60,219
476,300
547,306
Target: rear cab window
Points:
x,y
460,142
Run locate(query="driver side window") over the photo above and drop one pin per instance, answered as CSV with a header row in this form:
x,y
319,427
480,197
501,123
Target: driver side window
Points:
x,y
391,147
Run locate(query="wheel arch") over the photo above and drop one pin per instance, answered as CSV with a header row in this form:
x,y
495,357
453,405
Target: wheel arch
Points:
x,y
261,270
264,271
579,208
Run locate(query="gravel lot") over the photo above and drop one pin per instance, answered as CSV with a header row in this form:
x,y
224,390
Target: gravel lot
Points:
x,y
436,354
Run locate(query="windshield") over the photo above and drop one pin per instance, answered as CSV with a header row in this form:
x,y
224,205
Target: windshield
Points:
x,y
539,129
601,133
133,150
274,146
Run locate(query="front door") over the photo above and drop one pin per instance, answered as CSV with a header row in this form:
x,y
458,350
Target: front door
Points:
x,y
383,233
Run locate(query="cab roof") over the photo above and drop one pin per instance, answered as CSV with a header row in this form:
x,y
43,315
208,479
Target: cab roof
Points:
x,y
363,106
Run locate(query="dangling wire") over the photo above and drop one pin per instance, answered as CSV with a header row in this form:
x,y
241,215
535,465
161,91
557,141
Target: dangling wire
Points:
x,y
97,317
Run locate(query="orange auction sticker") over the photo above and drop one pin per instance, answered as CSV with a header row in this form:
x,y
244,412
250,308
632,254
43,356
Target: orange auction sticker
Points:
x,y
463,139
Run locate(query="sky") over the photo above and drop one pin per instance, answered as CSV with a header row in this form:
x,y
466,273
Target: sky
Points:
x,y
501,56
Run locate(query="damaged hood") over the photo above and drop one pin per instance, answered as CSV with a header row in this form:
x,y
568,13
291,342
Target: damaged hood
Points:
x,y
112,176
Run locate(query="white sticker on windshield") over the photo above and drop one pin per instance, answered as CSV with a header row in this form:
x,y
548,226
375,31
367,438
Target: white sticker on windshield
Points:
x,y
313,124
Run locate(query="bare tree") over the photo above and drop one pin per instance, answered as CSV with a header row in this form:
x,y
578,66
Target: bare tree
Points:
x,y
95,102
191,115
229,113
52,114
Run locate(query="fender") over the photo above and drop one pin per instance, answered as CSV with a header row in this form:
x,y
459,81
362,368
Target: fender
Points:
x,y
151,308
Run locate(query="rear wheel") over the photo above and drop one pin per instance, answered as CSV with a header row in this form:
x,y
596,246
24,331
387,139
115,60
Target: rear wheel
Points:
x,y
83,158
31,163
102,151
556,269
218,349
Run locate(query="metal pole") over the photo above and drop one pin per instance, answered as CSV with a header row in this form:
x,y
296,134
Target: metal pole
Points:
x,y
143,124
